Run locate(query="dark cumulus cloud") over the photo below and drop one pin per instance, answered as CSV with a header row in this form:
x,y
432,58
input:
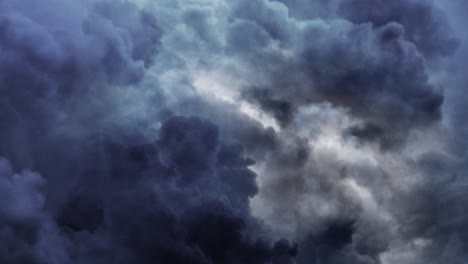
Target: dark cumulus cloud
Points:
x,y
76,188
425,24
381,61
369,56
52,61
245,131
139,204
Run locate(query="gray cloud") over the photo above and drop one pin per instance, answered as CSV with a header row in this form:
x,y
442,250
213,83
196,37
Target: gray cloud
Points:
x,y
373,69
209,131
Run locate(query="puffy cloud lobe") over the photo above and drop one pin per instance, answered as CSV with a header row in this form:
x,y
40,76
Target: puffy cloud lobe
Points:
x,y
374,69
52,61
136,205
391,89
22,198
21,212
425,23
97,42
138,215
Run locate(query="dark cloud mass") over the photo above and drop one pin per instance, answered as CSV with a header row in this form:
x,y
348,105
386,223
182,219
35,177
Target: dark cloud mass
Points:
x,y
424,23
374,69
229,132
140,204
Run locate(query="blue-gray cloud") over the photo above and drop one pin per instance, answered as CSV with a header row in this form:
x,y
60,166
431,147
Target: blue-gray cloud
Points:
x,y
137,131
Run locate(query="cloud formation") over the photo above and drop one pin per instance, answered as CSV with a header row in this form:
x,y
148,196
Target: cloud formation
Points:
x,y
238,131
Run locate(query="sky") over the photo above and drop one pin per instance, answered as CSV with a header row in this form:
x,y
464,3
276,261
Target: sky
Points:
x,y
233,132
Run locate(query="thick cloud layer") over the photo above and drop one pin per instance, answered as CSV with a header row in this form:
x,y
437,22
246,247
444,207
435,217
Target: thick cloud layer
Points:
x,y
102,195
246,131
373,69
162,202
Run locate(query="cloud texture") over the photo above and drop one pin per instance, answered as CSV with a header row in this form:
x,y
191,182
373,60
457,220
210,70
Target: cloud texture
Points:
x,y
228,132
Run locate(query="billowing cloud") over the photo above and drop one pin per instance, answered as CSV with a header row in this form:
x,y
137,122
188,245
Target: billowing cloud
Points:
x,y
218,131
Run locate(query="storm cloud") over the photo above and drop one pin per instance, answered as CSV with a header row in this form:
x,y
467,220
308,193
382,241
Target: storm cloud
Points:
x,y
214,131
